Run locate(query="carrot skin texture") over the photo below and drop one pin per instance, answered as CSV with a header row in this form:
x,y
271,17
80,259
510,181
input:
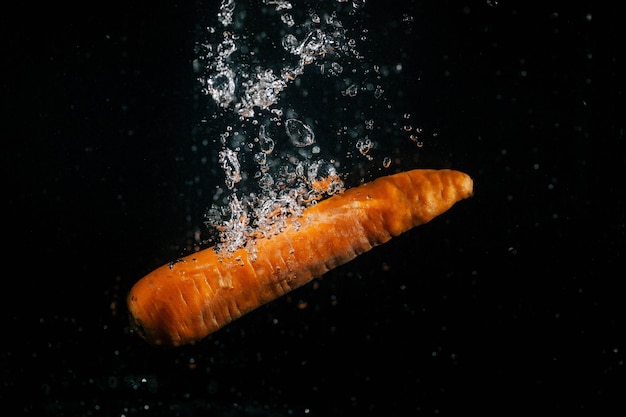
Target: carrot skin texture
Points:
x,y
185,301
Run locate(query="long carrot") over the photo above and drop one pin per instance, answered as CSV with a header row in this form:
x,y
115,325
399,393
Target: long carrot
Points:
x,y
184,301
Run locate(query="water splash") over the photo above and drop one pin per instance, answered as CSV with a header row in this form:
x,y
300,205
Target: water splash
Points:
x,y
273,165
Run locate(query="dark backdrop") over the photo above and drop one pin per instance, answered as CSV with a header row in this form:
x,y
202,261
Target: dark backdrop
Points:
x,y
508,303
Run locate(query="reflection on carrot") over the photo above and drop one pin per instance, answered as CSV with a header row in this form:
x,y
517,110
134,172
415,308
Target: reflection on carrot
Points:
x,y
184,301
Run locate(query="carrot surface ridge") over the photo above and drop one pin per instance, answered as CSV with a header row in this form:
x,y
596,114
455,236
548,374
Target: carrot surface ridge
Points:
x,y
184,301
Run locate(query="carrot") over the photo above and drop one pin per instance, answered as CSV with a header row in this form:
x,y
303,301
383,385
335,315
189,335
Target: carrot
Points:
x,y
186,300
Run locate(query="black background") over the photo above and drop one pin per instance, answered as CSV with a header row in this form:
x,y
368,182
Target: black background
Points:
x,y
508,303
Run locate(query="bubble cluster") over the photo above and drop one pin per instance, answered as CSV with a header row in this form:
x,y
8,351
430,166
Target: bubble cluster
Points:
x,y
243,88
272,162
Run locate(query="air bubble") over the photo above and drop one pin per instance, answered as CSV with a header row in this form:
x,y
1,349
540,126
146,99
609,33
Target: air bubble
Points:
x,y
364,145
300,134
266,143
351,91
230,165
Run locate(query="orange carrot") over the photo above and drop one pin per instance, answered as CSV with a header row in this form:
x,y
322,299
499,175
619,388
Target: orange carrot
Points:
x,y
184,301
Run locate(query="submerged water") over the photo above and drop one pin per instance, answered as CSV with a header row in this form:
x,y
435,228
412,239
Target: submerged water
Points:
x,y
134,131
